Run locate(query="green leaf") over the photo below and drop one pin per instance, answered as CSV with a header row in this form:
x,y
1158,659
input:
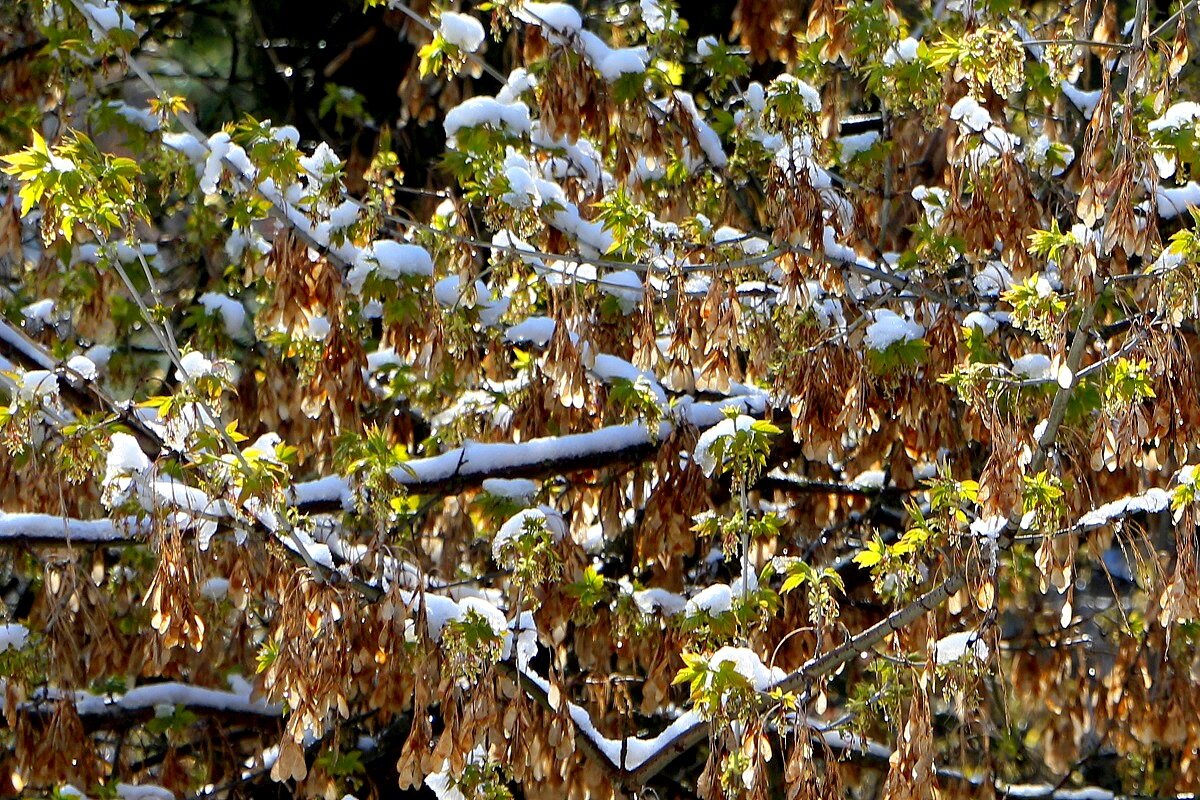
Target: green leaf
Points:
x,y
762,426
792,582
868,558
871,555
589,589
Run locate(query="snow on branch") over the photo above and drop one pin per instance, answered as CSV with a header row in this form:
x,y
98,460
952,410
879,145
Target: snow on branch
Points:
x,y
832,253
637,759
780,480
684,737
218,152
98,711
465,466
23,352
563,25
1152,501
628,760
52,529
475,462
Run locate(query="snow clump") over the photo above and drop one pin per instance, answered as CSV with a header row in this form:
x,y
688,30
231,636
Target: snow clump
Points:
x,y
461,30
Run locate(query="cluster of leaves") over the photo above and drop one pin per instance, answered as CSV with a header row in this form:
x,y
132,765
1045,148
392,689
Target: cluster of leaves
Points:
x,y
79,185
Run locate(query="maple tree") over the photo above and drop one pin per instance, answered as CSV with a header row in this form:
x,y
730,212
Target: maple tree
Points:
x,y
603,408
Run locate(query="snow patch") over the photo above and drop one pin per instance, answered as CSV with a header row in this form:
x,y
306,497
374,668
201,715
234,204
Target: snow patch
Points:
x,y
40,312
1034,366
748,664
989,527
13,636
322,164
651,600
559,17
1177,116
535,330
1085,101
984,322
393,259
519,490
902,51
708,141
82,366
483,110
790,84
626,286
703,454
37,385
889,328
955,647
231,312
193,365
107,16
970,116
461,30
1152,501
514,528
712,600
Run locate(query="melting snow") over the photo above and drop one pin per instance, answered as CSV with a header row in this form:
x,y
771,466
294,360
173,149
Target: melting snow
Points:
x,y
747,664
40,312
82,366
1151,502
231,312
13,636
488,111
989,527
956,646
535,330
520,490
461,30
890,328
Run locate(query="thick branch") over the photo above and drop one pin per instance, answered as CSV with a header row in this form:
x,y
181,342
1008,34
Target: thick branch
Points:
x,y
476,462
50,529
140,704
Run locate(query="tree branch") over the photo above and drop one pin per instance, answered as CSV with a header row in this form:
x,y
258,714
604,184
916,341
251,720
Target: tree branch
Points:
x,y
821,665
139,704
475,462
27,354
54,530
